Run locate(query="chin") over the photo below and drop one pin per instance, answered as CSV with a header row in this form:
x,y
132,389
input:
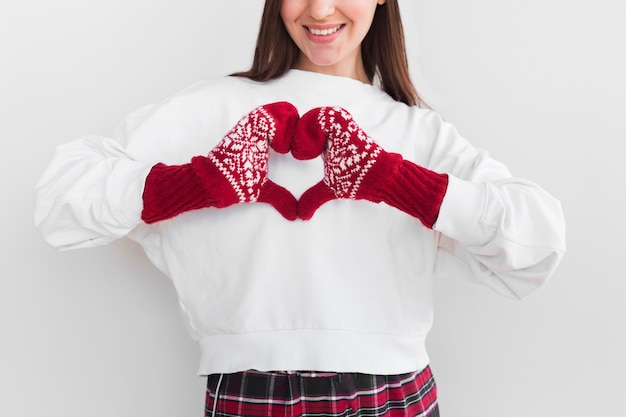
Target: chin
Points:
x,y
325,62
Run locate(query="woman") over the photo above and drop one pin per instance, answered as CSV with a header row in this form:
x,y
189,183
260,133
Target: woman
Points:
x,y
305,296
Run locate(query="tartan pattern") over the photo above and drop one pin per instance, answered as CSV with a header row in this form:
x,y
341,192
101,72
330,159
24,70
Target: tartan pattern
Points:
x,y
310,394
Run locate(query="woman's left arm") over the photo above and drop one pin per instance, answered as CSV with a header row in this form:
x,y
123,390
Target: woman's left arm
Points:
x,y
509,232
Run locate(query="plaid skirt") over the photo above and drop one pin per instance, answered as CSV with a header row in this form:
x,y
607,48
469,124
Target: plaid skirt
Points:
x,y
262,394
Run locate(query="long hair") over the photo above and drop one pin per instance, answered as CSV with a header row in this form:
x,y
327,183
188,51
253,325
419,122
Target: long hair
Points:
x,y
383,51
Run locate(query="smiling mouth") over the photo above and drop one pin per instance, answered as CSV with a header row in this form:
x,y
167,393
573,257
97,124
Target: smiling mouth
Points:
x,y
324,32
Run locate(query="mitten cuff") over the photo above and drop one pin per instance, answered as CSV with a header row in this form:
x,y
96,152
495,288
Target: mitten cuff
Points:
x,y
172,190
413,189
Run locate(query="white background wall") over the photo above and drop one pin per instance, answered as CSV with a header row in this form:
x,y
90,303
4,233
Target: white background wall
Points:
x,y
540,83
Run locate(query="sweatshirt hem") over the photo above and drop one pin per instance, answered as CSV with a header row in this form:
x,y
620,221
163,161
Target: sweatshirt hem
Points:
x,y
312,350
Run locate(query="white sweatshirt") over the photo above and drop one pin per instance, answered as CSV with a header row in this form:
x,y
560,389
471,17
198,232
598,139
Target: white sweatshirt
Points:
x,y
350,290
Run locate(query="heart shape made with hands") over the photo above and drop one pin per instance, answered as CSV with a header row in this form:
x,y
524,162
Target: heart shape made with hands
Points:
x,y
236,169
349,155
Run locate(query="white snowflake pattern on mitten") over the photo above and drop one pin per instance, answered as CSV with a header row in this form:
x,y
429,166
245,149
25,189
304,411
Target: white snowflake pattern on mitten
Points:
x,y
242,155
350,154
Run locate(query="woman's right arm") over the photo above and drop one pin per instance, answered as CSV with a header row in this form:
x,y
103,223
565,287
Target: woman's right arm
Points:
x,y
91,192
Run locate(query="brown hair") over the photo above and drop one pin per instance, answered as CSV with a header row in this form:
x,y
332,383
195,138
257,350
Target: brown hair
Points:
x,y
383,51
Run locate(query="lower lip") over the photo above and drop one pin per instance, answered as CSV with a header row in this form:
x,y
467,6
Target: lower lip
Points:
x,y
323,38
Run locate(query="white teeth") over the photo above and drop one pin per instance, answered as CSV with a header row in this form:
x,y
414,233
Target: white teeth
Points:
x,y
323,32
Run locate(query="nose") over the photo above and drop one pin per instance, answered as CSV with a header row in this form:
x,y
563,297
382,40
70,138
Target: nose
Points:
x,y
320,9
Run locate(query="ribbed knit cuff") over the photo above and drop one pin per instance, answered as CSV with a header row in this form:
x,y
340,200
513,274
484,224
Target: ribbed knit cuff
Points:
x,y
411,188
172,190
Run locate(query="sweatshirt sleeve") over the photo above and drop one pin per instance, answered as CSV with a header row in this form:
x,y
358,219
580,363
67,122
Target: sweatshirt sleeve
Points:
x,y
91,192
504,232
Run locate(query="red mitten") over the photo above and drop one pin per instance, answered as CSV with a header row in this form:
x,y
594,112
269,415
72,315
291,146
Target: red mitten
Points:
x,y
235,171
356,167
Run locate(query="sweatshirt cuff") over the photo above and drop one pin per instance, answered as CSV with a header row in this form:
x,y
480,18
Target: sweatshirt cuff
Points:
x,y
461,209
126,201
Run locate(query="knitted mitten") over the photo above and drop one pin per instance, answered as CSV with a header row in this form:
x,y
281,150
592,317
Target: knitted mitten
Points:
x,y
355,167
235,171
